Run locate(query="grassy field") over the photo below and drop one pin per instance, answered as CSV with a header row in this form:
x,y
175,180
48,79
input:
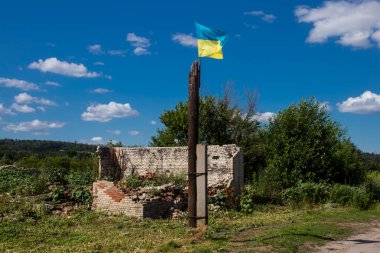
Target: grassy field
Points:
x,y
274,229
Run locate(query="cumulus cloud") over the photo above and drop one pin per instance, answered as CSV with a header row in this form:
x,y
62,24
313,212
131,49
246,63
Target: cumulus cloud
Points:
x,y
187,40
18,84
50,83
97,140
141,44
114,132
95,49
366,103
53,65
23,108
25,98
134,132
101,90
106,112
263,117
117,52
36,126
153,122
4,110
353,23
269,18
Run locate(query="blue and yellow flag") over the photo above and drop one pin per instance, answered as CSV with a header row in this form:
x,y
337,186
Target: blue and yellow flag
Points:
x,y
210,42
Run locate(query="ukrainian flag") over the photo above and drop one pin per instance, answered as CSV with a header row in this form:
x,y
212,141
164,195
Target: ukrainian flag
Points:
x,y
210,42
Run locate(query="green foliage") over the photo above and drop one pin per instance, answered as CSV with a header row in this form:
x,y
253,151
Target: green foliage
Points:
x,y
135,181
225,198
81,195
14,150
220,122
247,199
56,175
306,194
305,144
361,199
57,193
319,193
21,181
342,194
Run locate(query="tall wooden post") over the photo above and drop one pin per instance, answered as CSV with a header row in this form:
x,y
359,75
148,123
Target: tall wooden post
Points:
x,y
194,84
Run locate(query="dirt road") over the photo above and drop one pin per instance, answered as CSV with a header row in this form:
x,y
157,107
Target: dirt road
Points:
x,y
366,242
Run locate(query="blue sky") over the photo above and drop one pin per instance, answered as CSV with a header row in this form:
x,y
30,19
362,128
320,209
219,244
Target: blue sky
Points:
x,y
93,71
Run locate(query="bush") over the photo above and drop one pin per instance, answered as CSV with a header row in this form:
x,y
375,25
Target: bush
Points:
x,y
57,193
304,143
24,182
361,199
342,194
56,174
81,195
80,178
247,199
226,199
306,194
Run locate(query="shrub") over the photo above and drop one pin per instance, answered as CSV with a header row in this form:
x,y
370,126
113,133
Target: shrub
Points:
x,y
304,143
81,195
80,178
56,174
57,193
226,199
306,193
247,199
342,194
361,199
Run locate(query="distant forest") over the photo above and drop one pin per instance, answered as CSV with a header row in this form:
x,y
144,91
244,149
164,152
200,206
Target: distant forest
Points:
x,y
13,150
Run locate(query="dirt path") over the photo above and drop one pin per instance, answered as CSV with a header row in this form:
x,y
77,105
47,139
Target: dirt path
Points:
x,y
366,242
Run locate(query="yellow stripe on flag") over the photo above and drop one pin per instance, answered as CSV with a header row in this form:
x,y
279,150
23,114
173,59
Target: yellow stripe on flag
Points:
x,y
210,48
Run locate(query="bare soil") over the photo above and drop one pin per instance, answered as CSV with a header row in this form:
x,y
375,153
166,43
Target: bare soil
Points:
x,y
366,241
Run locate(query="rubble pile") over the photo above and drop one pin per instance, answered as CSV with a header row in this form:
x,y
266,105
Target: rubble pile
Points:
x,y
169,192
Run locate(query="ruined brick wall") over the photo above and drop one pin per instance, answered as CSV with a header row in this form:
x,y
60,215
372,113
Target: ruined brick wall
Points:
x,y
107,197
225,163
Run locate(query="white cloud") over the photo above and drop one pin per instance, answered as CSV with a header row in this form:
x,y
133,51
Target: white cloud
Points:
x,y
117,52
115,132
50,83
25,98
187,40
138,41
366,103
106,112
4,110
53,65
353,23
101,90
153,122
326,105
97,140
264,117
33,126
140,51
22,108
141,44
99,63
18,84
269,18
95,49
134,132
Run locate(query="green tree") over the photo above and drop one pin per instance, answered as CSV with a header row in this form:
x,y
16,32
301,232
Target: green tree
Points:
x,y
220,122
305,144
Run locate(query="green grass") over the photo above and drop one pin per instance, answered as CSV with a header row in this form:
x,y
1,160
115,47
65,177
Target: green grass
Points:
x,y
276,229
